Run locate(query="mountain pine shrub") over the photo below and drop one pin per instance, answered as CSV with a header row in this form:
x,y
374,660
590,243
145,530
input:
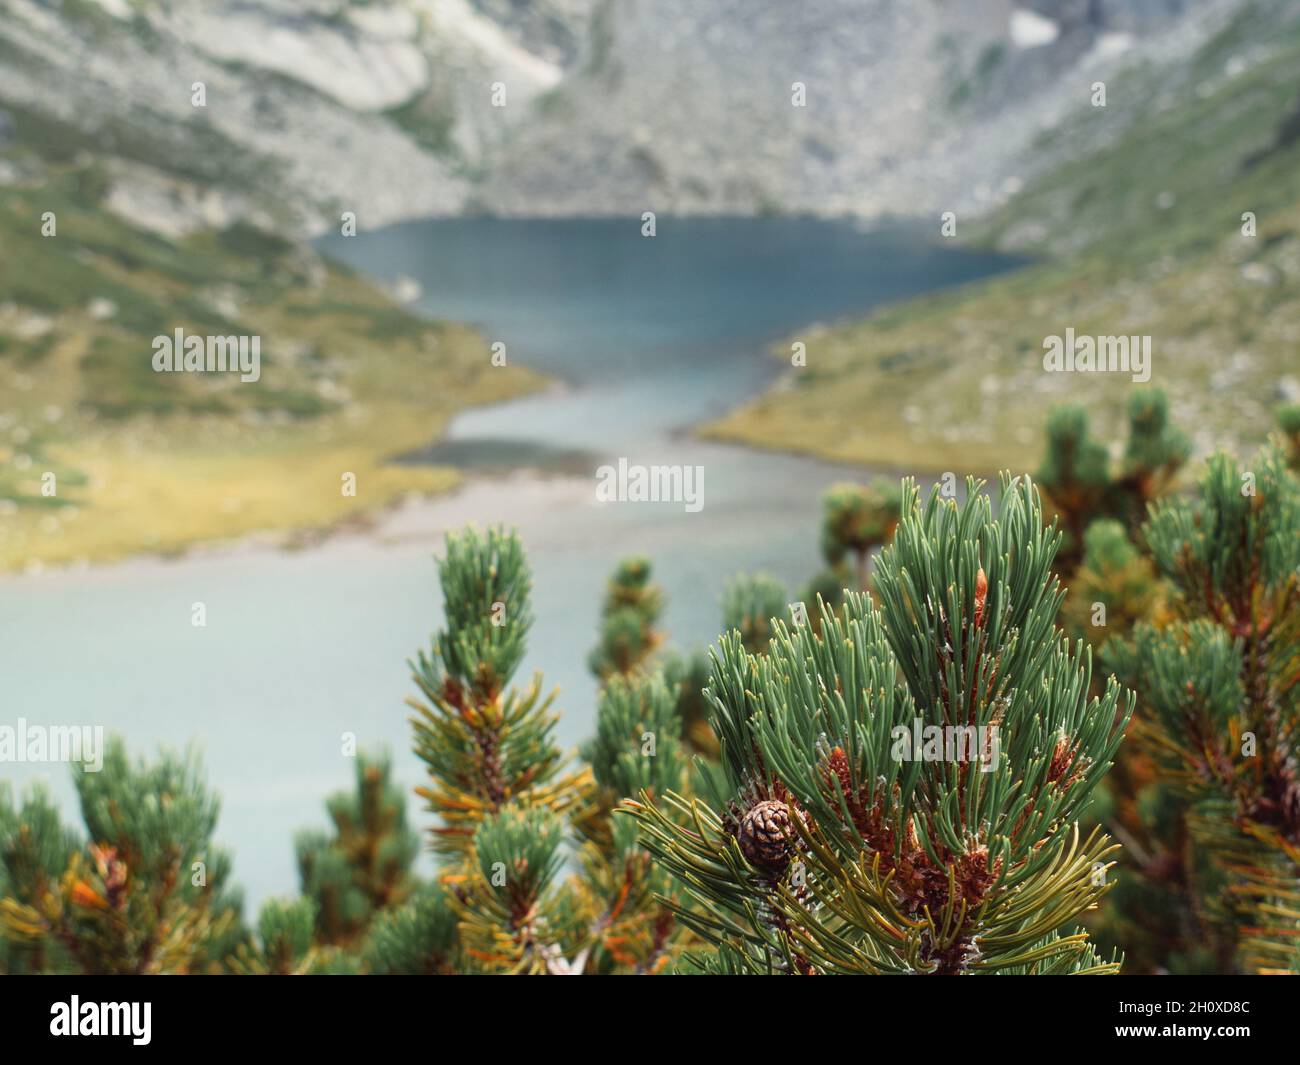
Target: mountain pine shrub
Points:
x,y
829,843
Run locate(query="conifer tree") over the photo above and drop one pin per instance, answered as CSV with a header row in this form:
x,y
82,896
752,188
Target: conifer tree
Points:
x,y
1220,698
856,519
484,743
507,802
750,606
1115,587
631,642
637,749
628,630
34,851
1078,478
687,674
285,931
419,938
146,893
285,944
498,783
825,847
1288,421
365,866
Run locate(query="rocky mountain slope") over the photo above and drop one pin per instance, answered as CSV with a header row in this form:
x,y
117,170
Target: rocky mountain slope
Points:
x,y
1182,226
389,107
910,108
310,107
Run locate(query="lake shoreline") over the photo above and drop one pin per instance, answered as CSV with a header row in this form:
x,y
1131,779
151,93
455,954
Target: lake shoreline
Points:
x,y
301,647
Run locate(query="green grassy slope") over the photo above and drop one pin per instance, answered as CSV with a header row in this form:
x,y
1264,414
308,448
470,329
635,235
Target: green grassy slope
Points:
x,y
147,461
1143,236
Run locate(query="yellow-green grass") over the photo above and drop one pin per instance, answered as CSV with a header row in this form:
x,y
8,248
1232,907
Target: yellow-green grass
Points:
x,y
164,483
955,381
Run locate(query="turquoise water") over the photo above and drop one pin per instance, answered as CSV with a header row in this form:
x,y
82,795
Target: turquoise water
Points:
x,y
647,337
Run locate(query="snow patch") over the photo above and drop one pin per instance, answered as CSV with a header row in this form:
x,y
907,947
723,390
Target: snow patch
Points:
x,y
1032,30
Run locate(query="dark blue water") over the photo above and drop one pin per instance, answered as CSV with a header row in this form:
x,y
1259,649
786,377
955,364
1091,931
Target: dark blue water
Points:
x,y
652,334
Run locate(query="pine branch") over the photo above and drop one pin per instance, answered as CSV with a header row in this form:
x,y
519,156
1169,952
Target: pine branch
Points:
x,y
824,848
365,867
484,746
629,632
1221,691
146,894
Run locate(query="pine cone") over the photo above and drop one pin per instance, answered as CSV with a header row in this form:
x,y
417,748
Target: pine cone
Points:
x,y
763,835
